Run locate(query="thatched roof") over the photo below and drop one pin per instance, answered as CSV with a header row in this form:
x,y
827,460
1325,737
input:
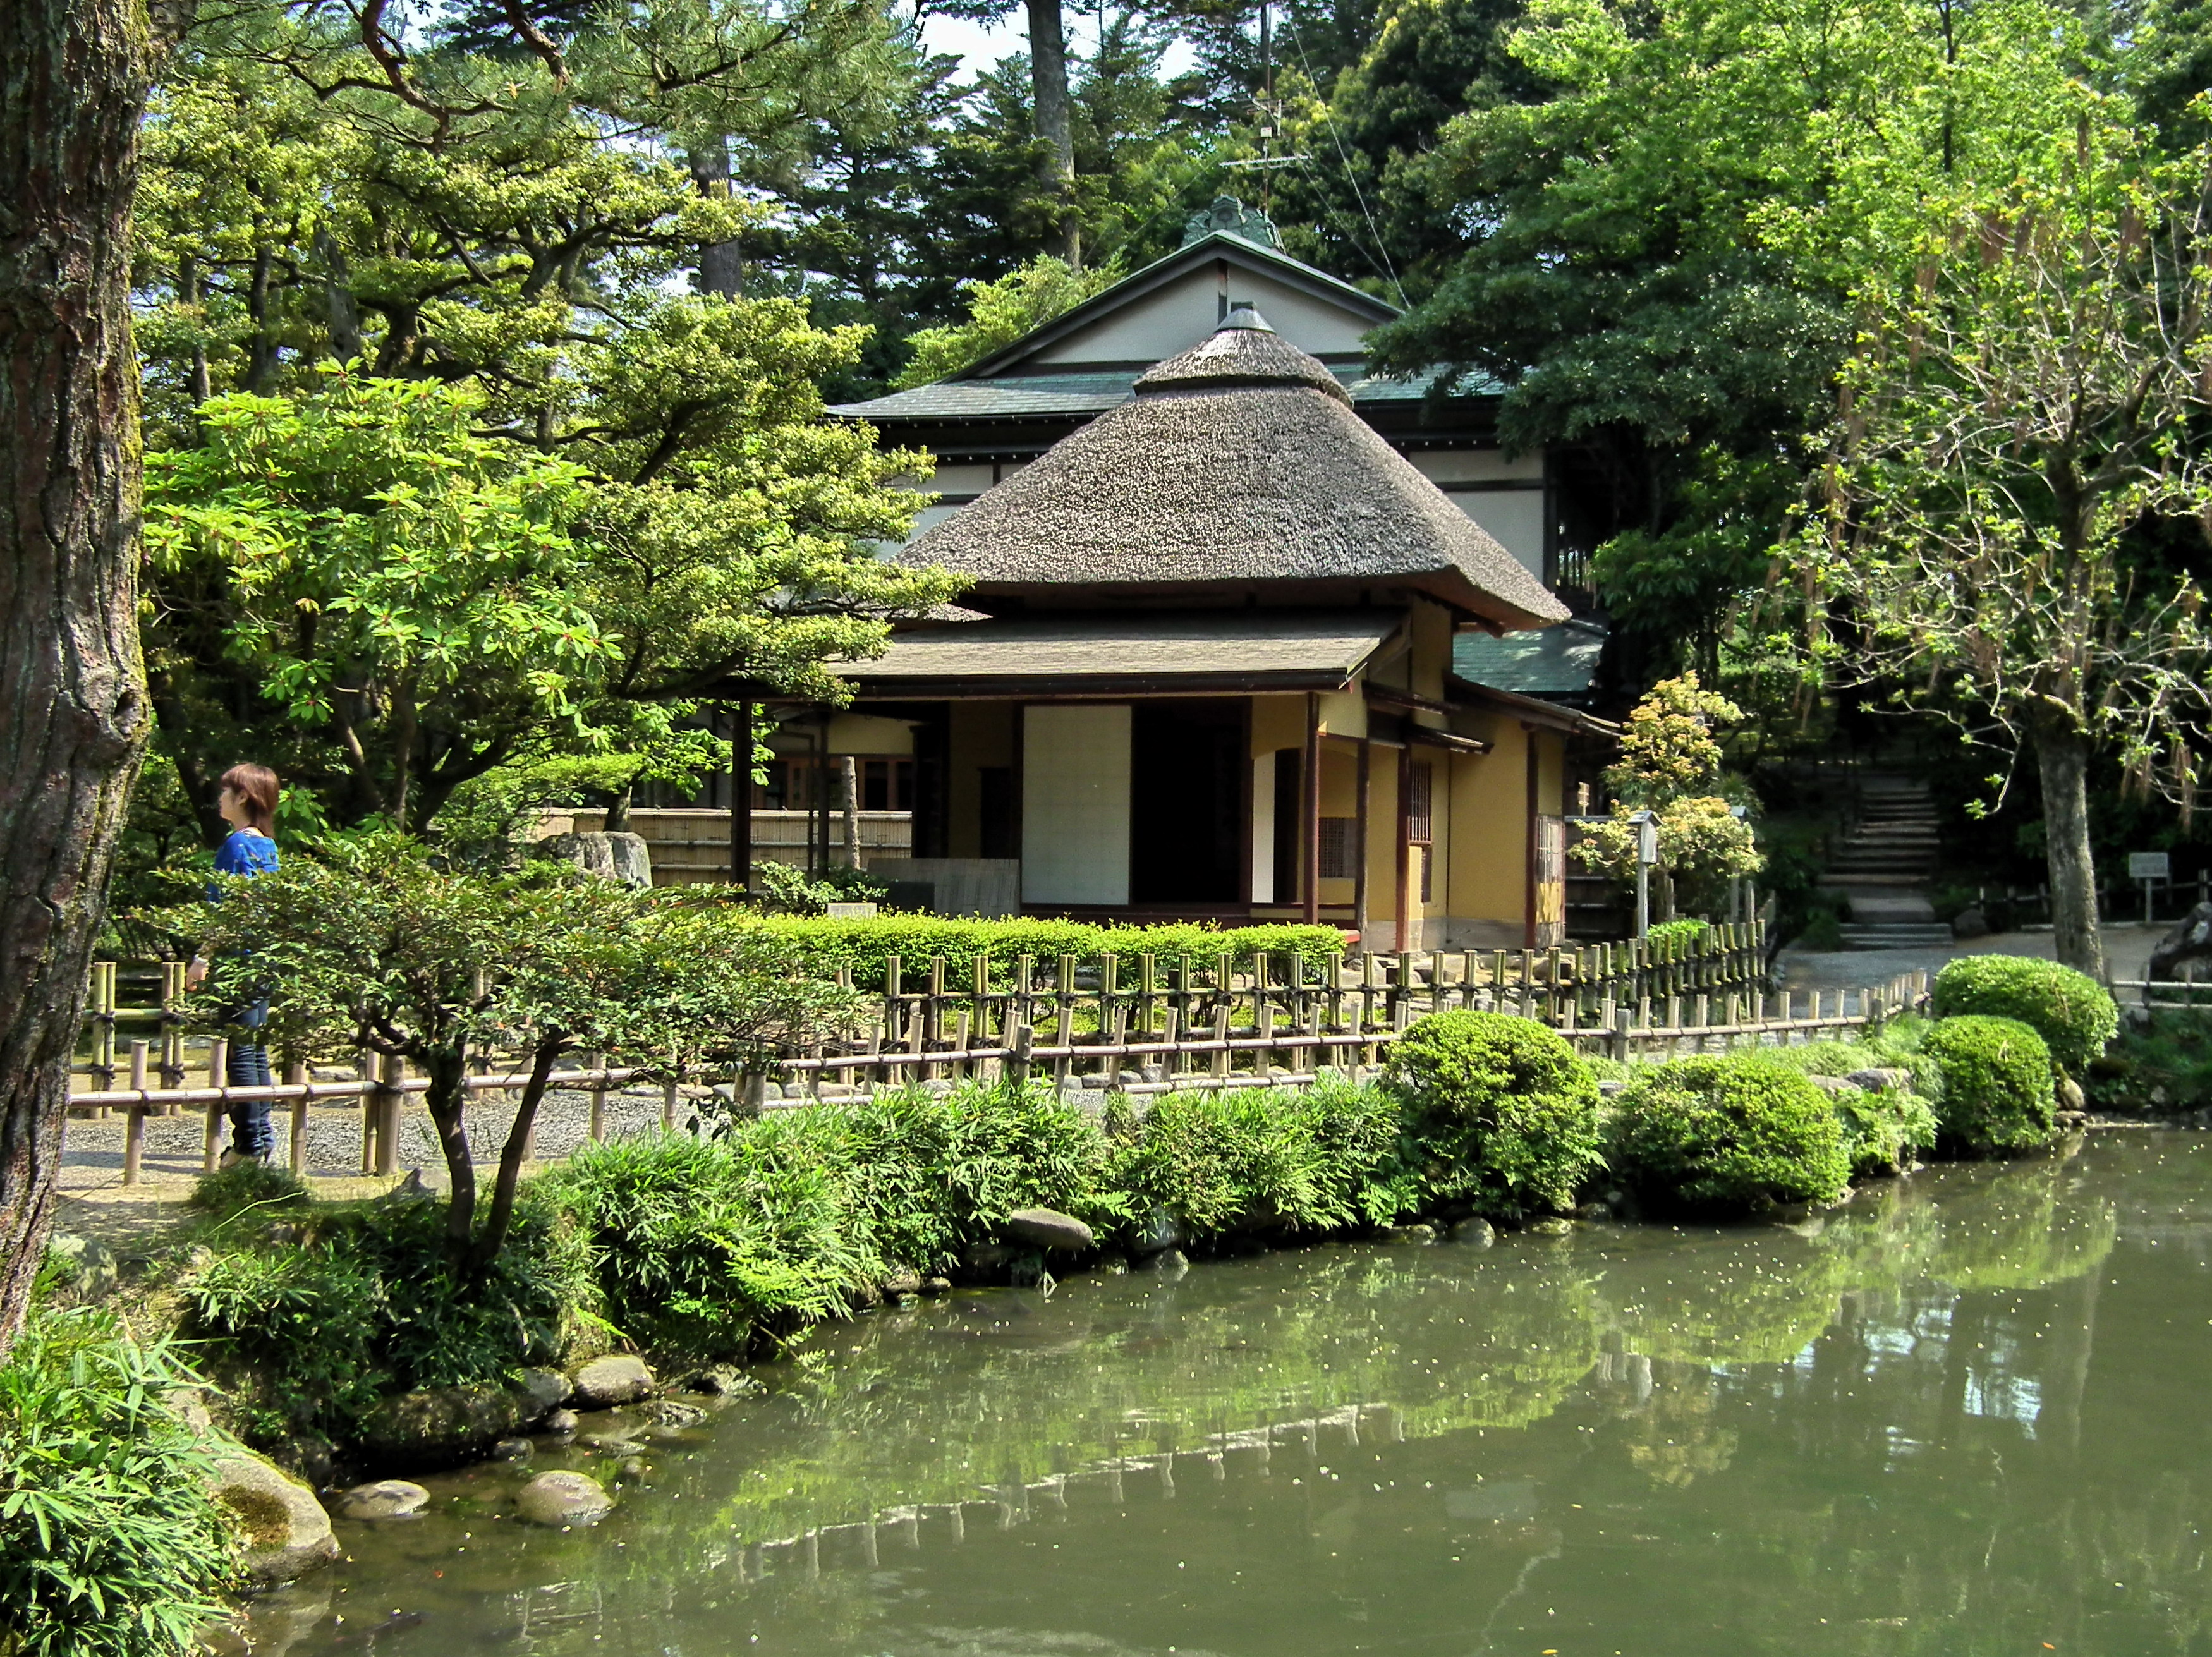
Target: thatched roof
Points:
x,y
1238,461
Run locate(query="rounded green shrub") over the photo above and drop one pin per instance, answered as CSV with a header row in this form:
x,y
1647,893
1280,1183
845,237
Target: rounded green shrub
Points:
x,y
2074,1014
1500,1111
1997,1091
1733,1132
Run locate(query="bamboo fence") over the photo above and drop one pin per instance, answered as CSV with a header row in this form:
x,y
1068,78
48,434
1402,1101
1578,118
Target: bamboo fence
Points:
x,y
1223,1023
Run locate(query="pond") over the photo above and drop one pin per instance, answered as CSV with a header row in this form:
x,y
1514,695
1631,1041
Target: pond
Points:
x,y
1971,1412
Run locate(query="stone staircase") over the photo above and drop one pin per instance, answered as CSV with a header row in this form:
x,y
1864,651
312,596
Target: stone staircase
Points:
x,y
1885,867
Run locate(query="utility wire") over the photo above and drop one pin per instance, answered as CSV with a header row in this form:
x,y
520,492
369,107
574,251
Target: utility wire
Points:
x,y
1329,116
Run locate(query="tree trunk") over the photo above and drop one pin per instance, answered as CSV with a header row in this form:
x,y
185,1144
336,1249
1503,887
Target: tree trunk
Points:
x,y
850,798
617,821
73,80
2062,755
720,268
511,1158
1054,118
447,1101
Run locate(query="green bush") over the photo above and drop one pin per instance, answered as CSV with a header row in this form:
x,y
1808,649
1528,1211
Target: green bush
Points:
x,y
1502,1112
110,1545
699,1243
1998,1094
823,945
247,1188
930,1173
1689,929
2074,1014
311,1333
1248,1160
1736,1132
1885,1130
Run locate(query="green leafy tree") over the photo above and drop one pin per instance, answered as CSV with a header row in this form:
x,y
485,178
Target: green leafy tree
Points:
x,y
1670,765
2020,416
1000,313
440,968
1662,254
402,588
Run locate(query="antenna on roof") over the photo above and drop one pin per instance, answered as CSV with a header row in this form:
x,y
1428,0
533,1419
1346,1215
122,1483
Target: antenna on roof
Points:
x,y
1269,108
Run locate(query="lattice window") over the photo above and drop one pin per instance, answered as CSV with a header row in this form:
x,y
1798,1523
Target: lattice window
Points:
x,y
1420,803
1339,840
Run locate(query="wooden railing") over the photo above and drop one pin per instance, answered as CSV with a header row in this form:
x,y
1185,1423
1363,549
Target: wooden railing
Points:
x,y
1147,1038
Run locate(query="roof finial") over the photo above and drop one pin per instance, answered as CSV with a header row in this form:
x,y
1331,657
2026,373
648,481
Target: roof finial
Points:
x,y
1244,314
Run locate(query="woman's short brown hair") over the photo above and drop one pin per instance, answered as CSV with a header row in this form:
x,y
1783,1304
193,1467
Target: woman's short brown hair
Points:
x,y
255,784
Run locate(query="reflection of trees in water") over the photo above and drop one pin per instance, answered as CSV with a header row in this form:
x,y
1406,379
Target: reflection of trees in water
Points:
x,y
1000,1409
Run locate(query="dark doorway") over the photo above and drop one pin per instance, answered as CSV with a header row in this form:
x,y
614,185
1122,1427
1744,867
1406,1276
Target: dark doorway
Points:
x,y
996,815
1186,809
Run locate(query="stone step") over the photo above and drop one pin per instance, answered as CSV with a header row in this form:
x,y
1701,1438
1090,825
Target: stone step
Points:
x,y
1897,936
1891,907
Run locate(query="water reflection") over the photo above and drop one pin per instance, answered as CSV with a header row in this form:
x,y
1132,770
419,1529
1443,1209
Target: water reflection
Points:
x,y
1951,1418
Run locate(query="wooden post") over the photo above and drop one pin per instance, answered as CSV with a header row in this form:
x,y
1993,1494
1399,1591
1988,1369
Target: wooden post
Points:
x,y
173,1028
1310,807
741,796
1359,919
388,1115
103,1003
368,1066
295,1076
849,769
595,1061
134,1132
1404,866
218,1073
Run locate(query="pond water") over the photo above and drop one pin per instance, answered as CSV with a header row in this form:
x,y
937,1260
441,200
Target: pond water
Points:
x,y
1969,1413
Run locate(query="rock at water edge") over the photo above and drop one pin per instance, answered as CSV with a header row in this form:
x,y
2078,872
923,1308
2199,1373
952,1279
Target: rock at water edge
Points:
x,y
286,1530
387,1498
1477,1233
564,1499
1169,1262
438,1426
1047,1227
538,1393
605,1382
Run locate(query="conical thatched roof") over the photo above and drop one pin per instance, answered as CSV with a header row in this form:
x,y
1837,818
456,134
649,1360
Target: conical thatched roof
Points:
x,y
1238,461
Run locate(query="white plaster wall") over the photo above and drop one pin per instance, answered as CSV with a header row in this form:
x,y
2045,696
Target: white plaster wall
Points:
x,y
1075,804
1263,828
1171,319
1475,466
1514,519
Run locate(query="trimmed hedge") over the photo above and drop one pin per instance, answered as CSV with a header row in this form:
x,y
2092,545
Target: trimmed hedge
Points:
x,y
2074,1014
823,944
1733,1132
1997,1089
1500,1110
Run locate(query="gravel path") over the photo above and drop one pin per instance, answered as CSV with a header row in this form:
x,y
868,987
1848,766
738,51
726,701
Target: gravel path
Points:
x,y
2127,952
171,1160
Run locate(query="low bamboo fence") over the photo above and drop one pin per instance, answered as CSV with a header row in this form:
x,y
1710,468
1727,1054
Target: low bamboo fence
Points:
x,y
1262,1021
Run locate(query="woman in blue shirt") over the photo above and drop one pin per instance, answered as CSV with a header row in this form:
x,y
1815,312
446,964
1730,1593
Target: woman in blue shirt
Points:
x,y
248,804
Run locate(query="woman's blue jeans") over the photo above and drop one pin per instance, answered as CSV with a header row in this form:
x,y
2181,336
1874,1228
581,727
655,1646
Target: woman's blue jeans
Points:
x,y
247,1067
